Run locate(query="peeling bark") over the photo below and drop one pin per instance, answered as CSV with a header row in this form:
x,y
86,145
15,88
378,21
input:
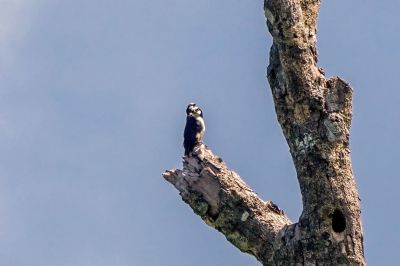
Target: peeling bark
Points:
x,y
315,115
221,198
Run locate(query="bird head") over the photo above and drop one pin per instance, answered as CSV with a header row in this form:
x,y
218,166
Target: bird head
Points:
x,y
190,107
195,111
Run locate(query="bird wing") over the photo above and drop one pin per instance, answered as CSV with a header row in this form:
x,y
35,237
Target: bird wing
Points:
x,y
191,128
189,135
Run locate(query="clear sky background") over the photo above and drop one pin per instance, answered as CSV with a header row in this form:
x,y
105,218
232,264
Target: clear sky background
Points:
x,y
92,111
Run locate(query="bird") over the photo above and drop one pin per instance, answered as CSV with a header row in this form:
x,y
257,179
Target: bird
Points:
x,y
194,128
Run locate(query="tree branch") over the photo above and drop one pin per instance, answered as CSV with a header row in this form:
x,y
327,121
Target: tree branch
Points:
x,y
315,115
221,198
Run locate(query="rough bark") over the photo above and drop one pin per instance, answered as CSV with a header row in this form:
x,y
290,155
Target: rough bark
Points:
x,y
221,198
315,115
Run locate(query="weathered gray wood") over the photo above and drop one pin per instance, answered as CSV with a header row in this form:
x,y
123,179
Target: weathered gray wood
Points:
x,y
315,115
221,198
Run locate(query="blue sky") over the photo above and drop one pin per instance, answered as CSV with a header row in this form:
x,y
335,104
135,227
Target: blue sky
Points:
x,y
92,101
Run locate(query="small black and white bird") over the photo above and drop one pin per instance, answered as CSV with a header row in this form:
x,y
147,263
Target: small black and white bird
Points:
x,y
194,129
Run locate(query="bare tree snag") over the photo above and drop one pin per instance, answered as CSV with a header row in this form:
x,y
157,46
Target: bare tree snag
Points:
x,y
315,115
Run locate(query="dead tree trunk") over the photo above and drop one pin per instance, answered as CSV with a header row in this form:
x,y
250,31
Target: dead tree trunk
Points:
x,y
315,115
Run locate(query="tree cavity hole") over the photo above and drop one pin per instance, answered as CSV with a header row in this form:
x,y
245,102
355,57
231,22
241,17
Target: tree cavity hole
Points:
x,y
338,221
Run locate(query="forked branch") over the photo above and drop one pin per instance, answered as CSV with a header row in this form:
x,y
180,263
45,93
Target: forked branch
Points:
x,y
315,115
